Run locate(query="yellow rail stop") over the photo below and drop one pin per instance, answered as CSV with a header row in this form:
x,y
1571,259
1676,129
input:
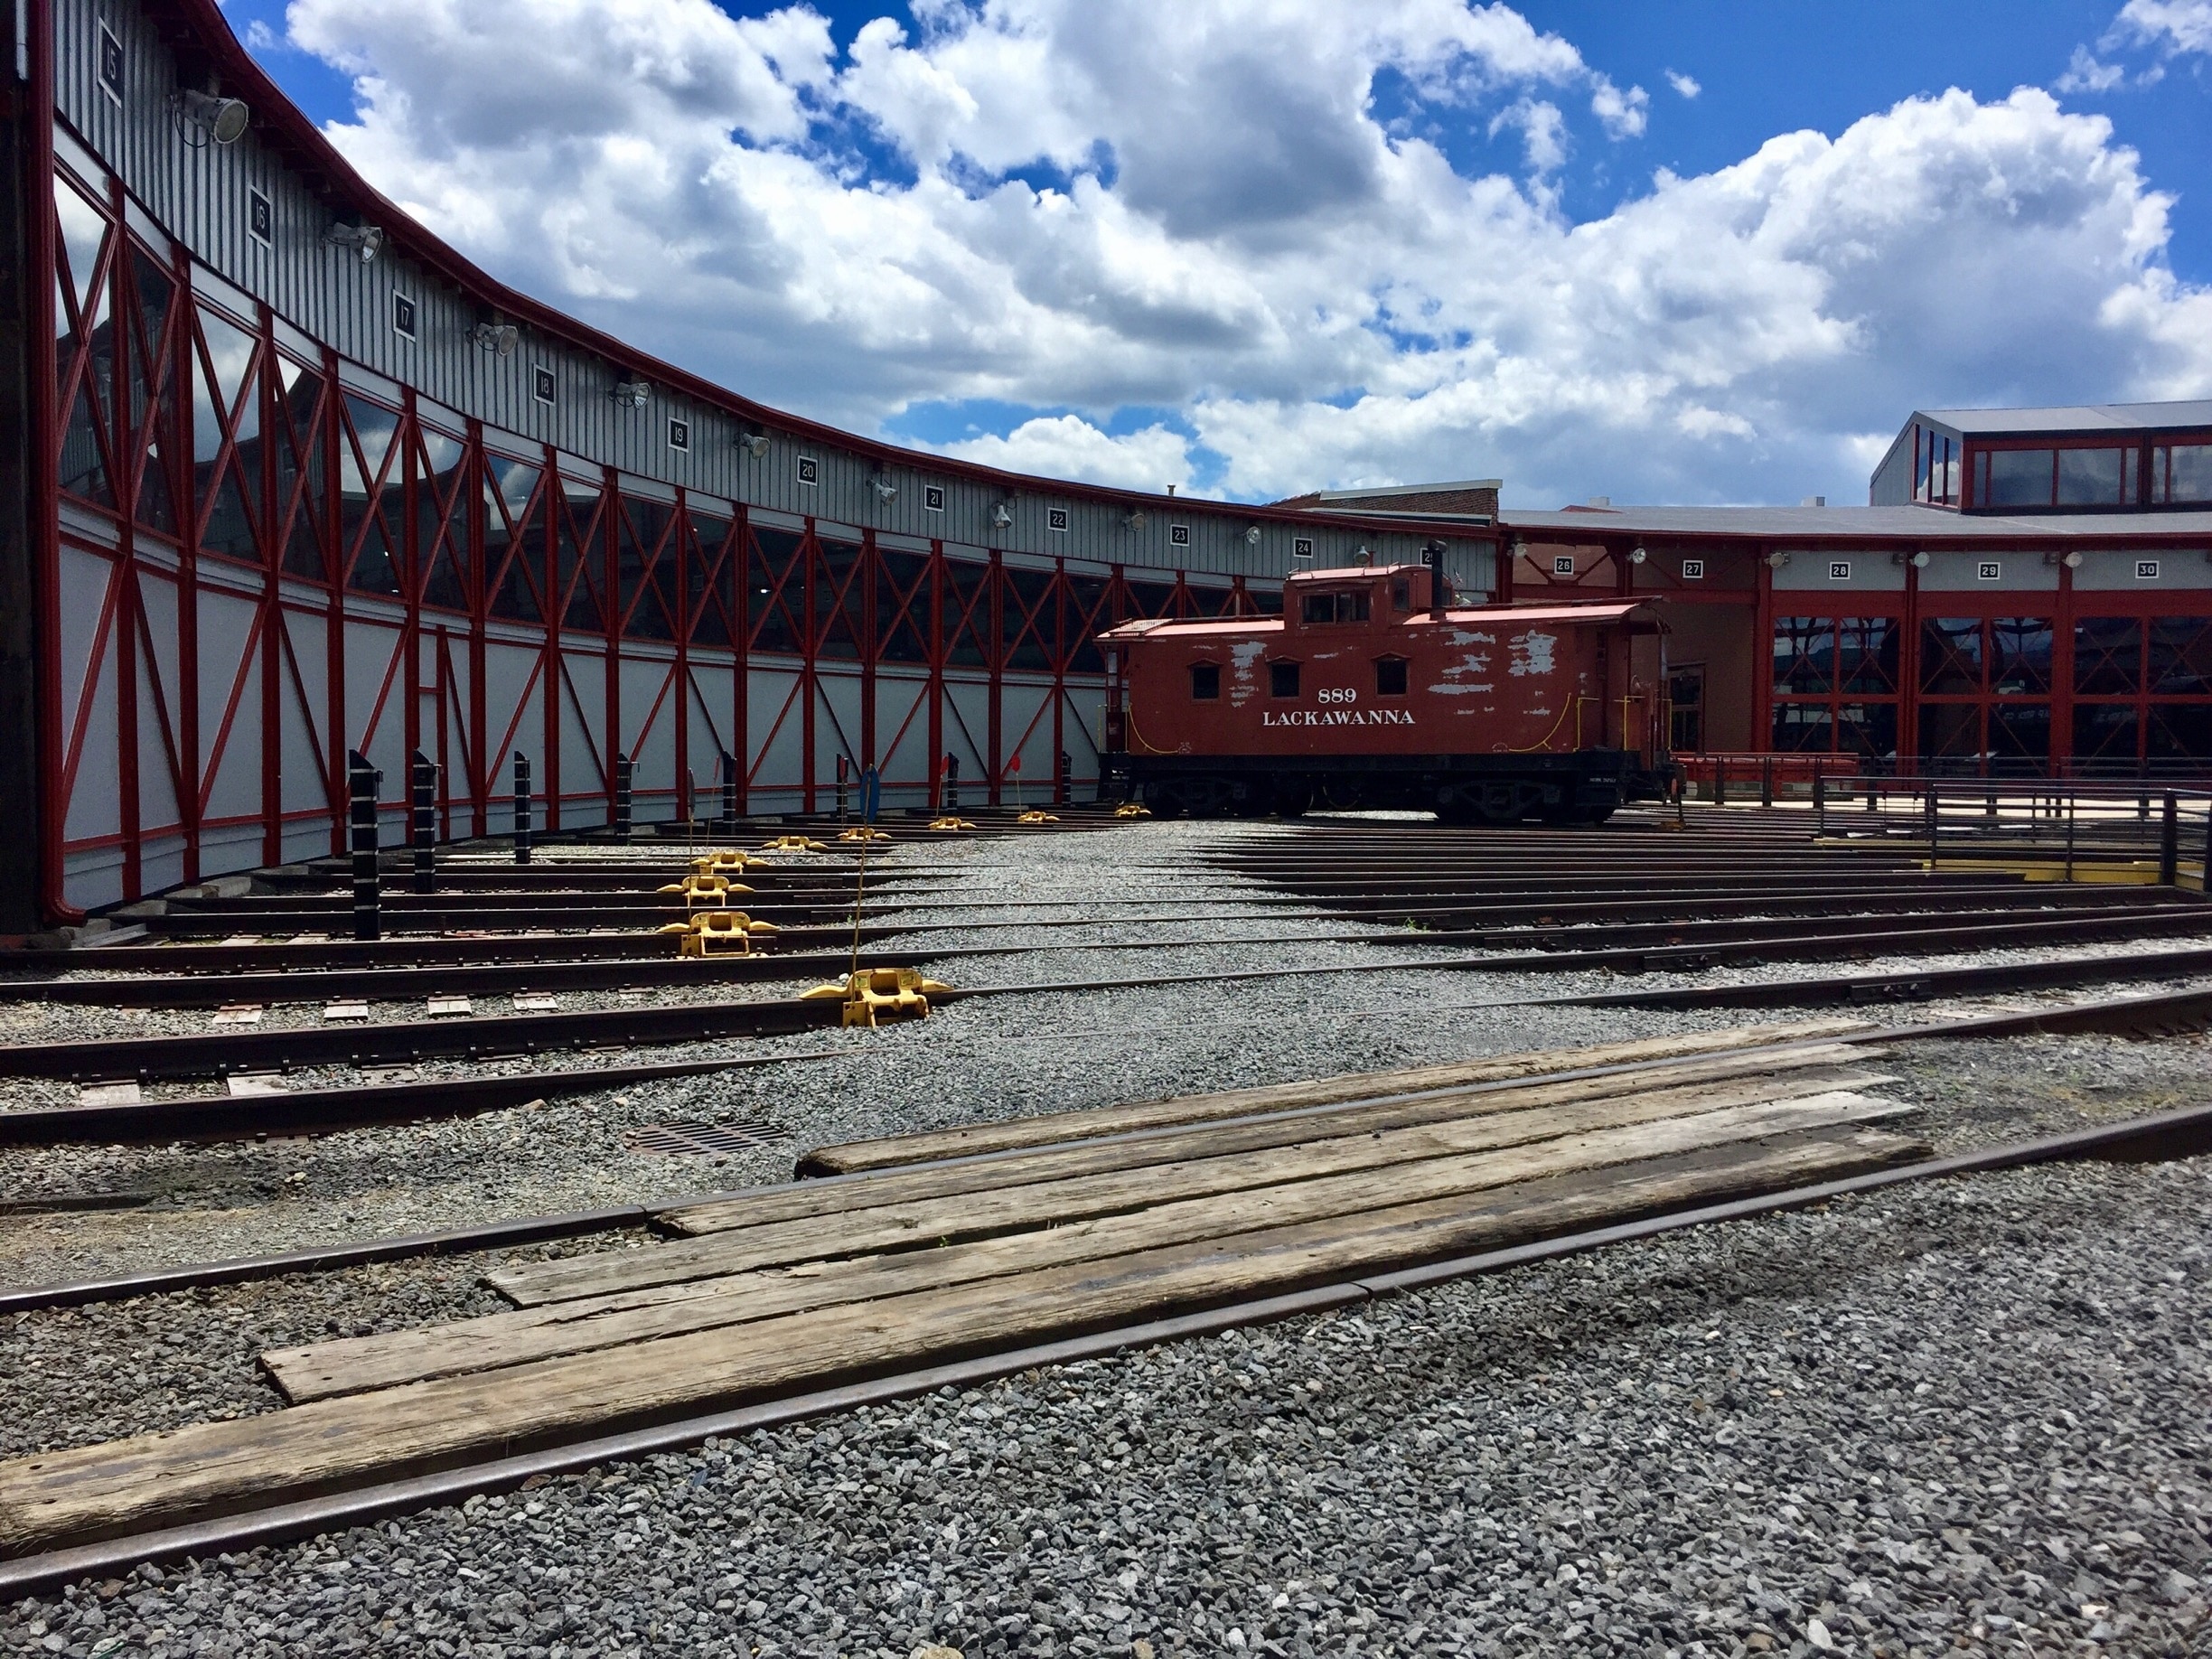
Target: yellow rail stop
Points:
x,y
1132,809
877,994
728,863
950,822
721,933
792,843
865,832
699,890
1035,817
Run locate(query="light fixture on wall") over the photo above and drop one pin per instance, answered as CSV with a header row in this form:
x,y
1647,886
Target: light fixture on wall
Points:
x,y
1000,518
630,394
498,338
885,489
754,442
1133,519
2072,561
1251,535
1774,562
222,119
1920,561
367,240
1636,555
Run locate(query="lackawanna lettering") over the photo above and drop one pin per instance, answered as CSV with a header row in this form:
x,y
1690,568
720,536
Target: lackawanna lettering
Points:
x,y
1336,716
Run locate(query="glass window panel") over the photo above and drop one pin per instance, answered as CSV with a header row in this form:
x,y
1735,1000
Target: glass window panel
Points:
x,y
1086,617
2020,656
1389,677
1803,729
775,598
2179,731
1867,653
648,569
1950,732
514,557
84,468
582,573
2018,478
2107,656
2181,660
2089,477
365,481
228,530
840,608
2104,732
967,612
1282,680
83,230
218,390
903,598
2019,737
1805,654
301,475
1205,681
1950,656
156,507
1265,601
1867,729
707,582
442,503
148,363
2188,473
1152,599
1032,620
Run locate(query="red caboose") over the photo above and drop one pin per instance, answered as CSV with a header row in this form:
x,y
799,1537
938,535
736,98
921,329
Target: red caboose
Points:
x,y
1372,691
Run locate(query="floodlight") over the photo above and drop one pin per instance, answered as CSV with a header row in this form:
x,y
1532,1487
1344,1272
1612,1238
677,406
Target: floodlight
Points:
x,y
1000,518
223,119
630,394
367,240
1251,535
499,338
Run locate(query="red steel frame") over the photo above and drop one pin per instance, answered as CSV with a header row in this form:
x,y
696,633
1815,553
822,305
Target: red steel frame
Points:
x,y
416,573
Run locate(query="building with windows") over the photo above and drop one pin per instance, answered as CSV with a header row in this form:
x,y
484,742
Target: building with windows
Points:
x,y
281,477
2028,592
284,477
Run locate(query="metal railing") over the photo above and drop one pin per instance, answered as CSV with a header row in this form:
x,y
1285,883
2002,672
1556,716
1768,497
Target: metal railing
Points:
x,y
2166,833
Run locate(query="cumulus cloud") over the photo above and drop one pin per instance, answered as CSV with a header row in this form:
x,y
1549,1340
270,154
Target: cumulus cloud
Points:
x,y
1686,85
2084,74
1069,446
2171,25
1095,205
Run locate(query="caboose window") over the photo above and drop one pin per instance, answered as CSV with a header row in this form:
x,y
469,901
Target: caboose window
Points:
x,y
1283,679
1401,594
1348,606
1390,676
1205,681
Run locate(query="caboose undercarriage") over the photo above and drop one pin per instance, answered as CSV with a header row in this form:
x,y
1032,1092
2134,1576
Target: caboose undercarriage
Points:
x,y
1581,788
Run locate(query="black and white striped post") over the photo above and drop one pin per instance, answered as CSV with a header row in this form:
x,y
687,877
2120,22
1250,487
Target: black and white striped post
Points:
x,y
424,786
844,790
625,769
361,781
1063,781
2170,842
729,790
523,808
951,782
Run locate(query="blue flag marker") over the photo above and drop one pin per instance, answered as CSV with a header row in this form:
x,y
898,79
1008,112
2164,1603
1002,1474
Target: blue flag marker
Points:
x,y
871,794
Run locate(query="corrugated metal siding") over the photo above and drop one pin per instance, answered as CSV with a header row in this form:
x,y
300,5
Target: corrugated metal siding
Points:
x,y
200,193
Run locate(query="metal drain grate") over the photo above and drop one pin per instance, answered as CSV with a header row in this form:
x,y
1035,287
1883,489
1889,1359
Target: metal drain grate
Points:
x,y
702,1139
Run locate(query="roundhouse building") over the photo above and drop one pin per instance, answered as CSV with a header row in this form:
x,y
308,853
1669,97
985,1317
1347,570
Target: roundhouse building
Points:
x,y
284,476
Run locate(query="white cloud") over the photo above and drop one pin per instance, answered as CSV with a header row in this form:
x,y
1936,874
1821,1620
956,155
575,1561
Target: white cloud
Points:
x,y
1686,85
2084,74
1103,204
2171,25
1069,446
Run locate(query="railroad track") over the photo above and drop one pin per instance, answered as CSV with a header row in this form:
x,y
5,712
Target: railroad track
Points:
x,y
214,1508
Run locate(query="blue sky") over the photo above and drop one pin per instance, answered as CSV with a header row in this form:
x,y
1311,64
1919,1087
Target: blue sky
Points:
x,y
1157,243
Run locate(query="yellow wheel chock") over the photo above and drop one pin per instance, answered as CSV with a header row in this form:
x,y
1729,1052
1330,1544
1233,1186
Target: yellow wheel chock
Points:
x,y
877,994
865,832
793,843
721,933
1035,817
1132,809
951,821
727,863
699,890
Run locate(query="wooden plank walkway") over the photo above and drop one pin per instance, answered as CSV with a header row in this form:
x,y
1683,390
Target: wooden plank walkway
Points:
x,y
1126,1215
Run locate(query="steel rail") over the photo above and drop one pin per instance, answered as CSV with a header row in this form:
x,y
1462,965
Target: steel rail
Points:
x,y
2167,1135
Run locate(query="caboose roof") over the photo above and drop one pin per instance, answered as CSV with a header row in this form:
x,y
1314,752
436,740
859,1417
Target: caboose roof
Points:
x,y
1245,627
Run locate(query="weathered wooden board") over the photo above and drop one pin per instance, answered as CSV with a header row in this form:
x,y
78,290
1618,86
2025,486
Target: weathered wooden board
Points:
x,y
1153,1147
970,1139
211,1468
916,1222
355,1365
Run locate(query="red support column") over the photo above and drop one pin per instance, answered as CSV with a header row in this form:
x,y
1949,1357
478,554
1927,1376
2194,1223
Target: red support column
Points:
x,y
995,654
410,561
270,613
551,509
741,621
1060,660
488,766
681,582
936,668
869,644
1909,670
337,737
809,555
613,525
185,363
122,304
2062,672
1762,654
